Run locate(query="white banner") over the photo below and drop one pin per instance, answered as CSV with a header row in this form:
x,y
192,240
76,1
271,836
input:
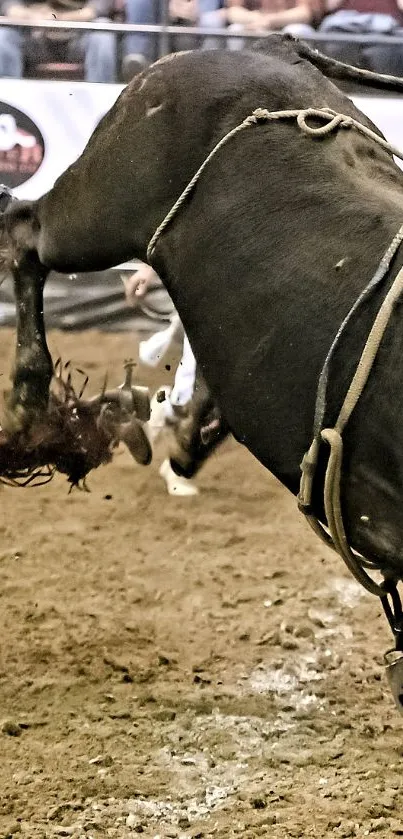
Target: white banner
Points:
x,y
45,125
54,121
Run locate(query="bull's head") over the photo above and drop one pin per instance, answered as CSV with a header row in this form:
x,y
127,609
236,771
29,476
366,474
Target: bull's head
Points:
x,y
74,435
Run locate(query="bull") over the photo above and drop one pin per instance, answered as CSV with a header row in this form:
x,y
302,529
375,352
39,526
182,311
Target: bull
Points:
x,y
210,167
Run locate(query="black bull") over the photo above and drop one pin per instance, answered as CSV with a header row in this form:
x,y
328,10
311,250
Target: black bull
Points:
x,y
295,224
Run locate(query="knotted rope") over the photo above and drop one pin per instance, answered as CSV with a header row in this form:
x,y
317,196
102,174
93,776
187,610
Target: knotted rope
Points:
x,y
332,121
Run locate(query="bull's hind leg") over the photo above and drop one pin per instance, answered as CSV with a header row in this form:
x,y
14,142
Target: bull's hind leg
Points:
x,y
33,365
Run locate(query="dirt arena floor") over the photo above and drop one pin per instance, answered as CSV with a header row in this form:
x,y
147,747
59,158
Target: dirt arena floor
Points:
x,y
198,667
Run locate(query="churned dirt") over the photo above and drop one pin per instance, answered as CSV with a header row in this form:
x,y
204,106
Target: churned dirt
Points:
x,y
198,667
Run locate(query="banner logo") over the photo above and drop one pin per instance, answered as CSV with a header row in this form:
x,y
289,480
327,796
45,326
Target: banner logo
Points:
x,y
22,146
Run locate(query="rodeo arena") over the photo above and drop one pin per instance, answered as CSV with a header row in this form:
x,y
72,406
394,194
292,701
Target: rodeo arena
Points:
x,y
201,419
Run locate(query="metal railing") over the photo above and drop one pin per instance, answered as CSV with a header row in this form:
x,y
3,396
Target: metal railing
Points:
x,y
194,31
163,32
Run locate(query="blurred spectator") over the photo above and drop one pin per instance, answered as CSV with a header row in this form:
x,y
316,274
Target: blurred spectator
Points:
x,y
19,48
141,49
304,17
295,16
360,17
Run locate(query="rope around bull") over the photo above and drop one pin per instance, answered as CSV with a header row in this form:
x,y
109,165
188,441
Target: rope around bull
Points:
x,y
333,121
336,537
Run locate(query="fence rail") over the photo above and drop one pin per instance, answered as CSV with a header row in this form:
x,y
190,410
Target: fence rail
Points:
x,y
194,31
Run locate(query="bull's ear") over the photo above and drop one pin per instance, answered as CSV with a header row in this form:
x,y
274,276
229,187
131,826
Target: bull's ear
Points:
x,y
141,402
129,432
132,434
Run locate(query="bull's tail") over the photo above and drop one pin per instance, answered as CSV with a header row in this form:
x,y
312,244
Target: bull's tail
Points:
x,y
334,69
330,67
